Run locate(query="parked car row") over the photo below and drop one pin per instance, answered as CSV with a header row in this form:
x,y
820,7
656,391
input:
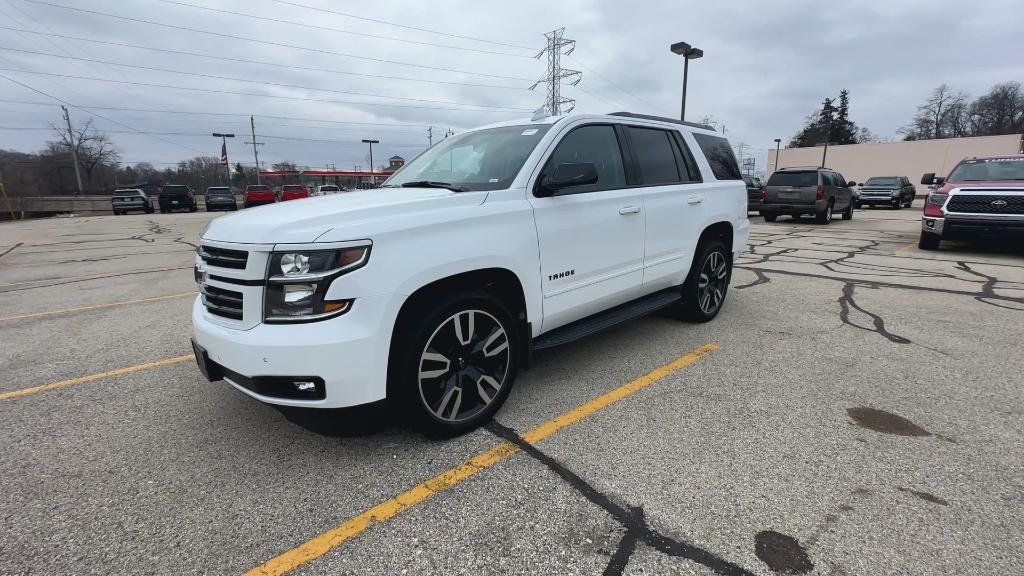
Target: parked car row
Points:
x,y
180,197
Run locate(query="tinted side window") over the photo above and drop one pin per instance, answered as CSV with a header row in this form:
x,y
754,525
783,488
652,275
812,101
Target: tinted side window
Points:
x,y
597,145
840,180
719,154
654,156
688,164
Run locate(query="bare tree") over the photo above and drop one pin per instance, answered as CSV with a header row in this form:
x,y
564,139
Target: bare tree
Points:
x,y
942,115
93,149
1001,111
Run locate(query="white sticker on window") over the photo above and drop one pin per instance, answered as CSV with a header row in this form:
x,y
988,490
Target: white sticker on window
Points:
x,y
493,180
529,132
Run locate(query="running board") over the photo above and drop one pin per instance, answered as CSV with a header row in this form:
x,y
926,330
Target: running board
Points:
x,y
602,320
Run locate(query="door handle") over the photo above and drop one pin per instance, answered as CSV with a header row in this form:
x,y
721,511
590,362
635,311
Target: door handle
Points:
x,y
694,199
629,210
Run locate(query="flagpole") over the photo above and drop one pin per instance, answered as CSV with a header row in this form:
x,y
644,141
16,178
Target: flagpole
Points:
x,y
224,153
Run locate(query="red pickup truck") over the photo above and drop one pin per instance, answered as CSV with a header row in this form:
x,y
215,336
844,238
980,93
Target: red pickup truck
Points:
x,y
981,197
258,194
293,192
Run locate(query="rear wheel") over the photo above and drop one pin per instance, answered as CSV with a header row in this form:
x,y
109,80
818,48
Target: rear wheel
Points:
x,y
928,241
825,216
848,213
707,284
770,217
458,362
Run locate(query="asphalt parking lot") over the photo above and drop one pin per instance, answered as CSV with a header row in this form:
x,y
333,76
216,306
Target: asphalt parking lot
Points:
x,y
856,409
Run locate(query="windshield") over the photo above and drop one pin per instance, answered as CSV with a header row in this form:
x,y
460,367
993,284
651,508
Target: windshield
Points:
x,y
126,193
481,160
883,181
988,169
218,191
174,189
292,187
793,179
329,188
257,188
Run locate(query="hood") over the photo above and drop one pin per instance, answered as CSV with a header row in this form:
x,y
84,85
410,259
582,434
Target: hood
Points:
x,y
305,220
948,186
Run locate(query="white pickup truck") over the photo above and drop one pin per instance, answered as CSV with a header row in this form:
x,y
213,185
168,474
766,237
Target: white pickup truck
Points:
x,y
434,290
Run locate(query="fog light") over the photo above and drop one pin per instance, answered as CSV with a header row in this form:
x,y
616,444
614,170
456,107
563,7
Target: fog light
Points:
x,y
929,223
295,293
305,386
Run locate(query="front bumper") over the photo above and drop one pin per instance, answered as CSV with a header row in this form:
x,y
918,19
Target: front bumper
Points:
x,y
347,356
878,200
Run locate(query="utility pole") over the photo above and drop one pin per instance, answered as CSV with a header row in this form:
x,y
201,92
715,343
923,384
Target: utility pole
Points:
x,y
74,151
430,136
556,74
254,143
224,153
827,109
373,179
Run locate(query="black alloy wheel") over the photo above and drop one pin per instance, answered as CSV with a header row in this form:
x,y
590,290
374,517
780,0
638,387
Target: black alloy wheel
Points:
x,y
707,284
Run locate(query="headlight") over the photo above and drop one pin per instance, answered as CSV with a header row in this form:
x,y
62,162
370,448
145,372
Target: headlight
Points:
x,y
298,280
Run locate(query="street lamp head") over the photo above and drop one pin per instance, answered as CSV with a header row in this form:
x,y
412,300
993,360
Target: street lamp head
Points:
x,y
694,53
680,48
777,140
371,141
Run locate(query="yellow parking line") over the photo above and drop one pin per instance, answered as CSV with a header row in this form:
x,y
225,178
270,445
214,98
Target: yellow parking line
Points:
x,y
95,306
327,541
91,377
907,247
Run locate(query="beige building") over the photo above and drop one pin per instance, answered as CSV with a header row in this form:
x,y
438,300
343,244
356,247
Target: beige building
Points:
x,y
858,162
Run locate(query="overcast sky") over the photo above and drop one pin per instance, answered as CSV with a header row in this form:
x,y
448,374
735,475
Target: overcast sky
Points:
x,y
766,66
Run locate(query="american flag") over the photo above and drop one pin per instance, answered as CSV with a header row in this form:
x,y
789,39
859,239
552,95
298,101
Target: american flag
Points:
x,y
223,154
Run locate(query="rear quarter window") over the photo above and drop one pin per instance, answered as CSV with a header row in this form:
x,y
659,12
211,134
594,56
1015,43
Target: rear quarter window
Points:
x,y
719,154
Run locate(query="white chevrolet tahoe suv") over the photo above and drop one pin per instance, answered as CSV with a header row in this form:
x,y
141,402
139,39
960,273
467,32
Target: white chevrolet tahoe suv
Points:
x,y
433,291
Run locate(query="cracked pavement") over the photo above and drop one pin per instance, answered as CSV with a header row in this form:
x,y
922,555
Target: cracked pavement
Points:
x,y
861,416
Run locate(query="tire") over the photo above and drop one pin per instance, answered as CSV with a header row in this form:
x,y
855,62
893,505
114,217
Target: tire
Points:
x,y
770,217
149,210
928,241
848,213
897,205
437,362
825,216
707,284
193,208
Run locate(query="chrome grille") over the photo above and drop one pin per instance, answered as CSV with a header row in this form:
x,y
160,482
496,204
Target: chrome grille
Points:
x,y
223,258
226,303
986,204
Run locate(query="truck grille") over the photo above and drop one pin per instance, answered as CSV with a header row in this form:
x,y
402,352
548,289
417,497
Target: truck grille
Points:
x,y
226,303
986,204
224,258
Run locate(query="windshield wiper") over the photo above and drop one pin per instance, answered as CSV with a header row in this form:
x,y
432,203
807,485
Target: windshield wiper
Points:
x,y
431,184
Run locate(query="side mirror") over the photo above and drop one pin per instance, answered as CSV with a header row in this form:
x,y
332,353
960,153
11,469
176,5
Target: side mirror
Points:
x,y
851,184
860,183
939,180
928,178
567,175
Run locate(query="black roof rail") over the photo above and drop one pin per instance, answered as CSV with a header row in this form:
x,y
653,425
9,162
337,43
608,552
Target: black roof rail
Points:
x,y
662,119
804,168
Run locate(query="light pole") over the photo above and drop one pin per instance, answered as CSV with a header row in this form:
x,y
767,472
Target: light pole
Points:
x,y
688,53
373,181
256,155
224,153
778,142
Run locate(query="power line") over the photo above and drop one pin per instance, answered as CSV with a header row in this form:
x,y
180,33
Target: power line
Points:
x,y
204,113
246,80
207,135
222,35
343,31
36,90
407,27
278,96
606,79
260,62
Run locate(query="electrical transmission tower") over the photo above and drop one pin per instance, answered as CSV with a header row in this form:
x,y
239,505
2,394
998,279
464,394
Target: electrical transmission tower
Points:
x,y
556,74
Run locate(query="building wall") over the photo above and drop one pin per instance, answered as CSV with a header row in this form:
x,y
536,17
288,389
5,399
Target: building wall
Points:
x,y
858,162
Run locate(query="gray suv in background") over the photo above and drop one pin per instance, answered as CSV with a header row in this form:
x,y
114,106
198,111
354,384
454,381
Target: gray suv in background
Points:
x,y
126,199
795,192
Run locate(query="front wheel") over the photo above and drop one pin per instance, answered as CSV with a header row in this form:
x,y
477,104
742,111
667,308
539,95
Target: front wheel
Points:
x,y
928,241
707,284
848,213
458,362
770,217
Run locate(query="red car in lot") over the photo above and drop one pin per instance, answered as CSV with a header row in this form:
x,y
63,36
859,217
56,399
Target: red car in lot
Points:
x,y
258,194
293,192
982,196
